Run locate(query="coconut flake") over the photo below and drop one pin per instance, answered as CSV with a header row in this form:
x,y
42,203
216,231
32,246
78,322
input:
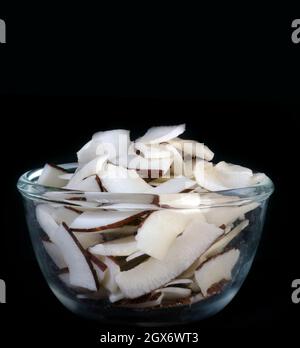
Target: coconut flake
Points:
x,y
216,270
175,185
156,135
88,184
192,148
118,247
55,254
50,176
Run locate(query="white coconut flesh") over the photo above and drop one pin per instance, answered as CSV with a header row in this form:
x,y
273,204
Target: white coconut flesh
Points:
x,y
217,269
153,273
119,247
95,221
156,135
168,248
51,176
160,230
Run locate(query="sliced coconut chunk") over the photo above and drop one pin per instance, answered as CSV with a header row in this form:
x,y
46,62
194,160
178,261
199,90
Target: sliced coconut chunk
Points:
x,y
175,185
179,282
160,229
93,167
152,274
88,184
153,151
64,214
192,148
55,254
207,177
232,175
156,135
113,269
118,247
80,268
216,270
89,151
227,215
95,221
121,180
45,217
50,176
134,255
87,239
173,293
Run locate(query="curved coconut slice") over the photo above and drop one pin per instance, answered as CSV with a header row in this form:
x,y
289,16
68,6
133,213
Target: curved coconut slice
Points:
x,y
174,293
95,221
88,184
121,180
232,175
118,247
87,239
153,273
80,268
179,282
55,254
113,269
45,217
134,255
216,270
175,185
156,135
63,214
227,215
50,176
206,176
192,148
89,151
115,297
160,229
93,167
153,151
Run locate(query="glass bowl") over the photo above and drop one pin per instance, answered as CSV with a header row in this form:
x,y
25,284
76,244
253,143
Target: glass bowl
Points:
x,y
245,206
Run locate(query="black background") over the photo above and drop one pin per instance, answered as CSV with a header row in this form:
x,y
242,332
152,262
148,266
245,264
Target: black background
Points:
x,y
230,74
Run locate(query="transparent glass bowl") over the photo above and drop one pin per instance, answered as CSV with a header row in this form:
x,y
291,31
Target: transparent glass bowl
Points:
x,y
191,309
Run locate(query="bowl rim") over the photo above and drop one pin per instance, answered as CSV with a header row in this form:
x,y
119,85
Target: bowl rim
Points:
x,y
29,188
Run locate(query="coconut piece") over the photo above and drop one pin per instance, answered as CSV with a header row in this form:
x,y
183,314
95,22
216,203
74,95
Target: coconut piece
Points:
x,y
118,247
113,269
130,206
216,270
64,214
196,298
50,176
152,151
227,215
122,180
156,135
173,293
192,148
115,297
55,254
88,184
81,270
233,176
160,229
95,221
175,185
87,239
45,217
65,278
134,255
179,282
88,152
207,177
152,274
93,167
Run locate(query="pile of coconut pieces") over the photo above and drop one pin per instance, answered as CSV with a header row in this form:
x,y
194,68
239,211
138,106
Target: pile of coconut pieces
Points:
x,y
145,252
